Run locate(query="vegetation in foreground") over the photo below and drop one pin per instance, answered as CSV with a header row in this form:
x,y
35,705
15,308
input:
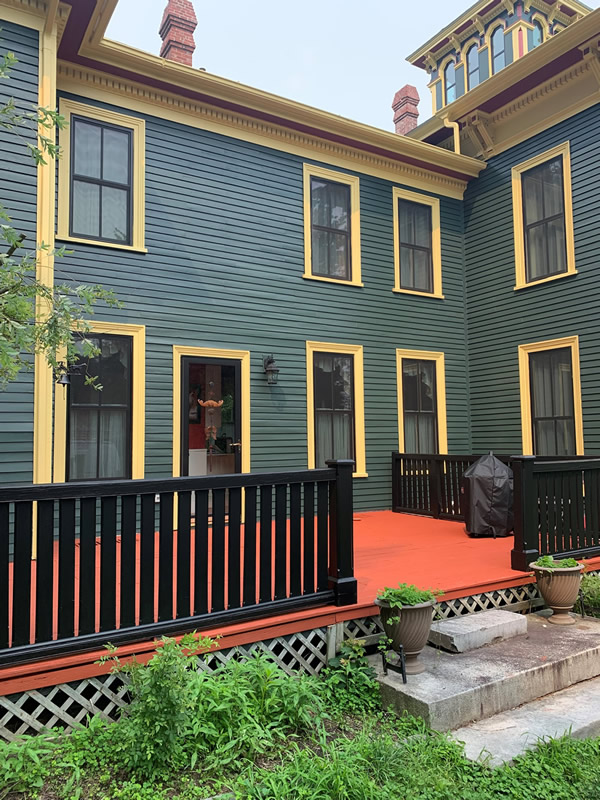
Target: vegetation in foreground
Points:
x,y
248,730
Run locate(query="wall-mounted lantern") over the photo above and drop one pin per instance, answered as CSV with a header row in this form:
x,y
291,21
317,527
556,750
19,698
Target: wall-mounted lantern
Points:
x,y
271,369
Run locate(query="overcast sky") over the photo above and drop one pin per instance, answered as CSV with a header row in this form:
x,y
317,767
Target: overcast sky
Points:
x,y
345,57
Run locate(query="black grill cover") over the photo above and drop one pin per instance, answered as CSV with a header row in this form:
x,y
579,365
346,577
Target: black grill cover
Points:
x,y
487,498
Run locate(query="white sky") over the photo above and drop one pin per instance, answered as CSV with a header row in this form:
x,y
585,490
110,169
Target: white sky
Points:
x,y
345,57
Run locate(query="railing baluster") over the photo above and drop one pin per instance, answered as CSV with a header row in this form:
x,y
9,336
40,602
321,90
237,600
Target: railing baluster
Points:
x,y
87,565
184,513
201,553
309,538
66,568
266,542
233,549
4,572
295,540
127,578
147,557
218,550
250,565
22,572
280,541
108,563
322,535
165,556
44,571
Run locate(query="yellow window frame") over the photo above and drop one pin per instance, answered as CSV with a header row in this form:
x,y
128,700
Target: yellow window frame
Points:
x,y
68,108
436,241
138,401
312,171
563,150
335,348
440,385
571,342
243,356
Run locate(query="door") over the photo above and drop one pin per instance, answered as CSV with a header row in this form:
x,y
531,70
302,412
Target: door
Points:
x,y
211,416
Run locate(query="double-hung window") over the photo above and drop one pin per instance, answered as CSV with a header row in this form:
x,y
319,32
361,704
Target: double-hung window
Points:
x,y
450,82
101,177
473,67
421,401
543,217
498,51
417,243
332,226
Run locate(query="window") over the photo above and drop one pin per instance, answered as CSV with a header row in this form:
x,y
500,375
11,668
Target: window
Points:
x,y
537,34
99,420
543,218
450,82
99,434
335,403
473,67
417,243
498,56
101,178
332,226
421,402
551,398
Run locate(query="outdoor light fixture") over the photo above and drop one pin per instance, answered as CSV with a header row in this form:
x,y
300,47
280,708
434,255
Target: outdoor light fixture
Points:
x,y
64,372
271,369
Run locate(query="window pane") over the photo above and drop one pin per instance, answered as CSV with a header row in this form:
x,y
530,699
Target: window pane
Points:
x,y
473,66
406,222
541,384
545,438
320,252
497,50
557,252
342,383
113,443
321,212
115,371
410,390
86,209
343,436
565,437
338,256
323,380
538,34
537,254
450,81
422,225
562,383
533,196
340,202
423,277
323,438
115,223
553,188
115,163
407,278
411,444
83,443
87,149
427,439
427,385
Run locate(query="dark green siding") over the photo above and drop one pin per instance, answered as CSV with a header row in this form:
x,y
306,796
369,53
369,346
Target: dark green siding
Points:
x,y
224,231
499,319
19,197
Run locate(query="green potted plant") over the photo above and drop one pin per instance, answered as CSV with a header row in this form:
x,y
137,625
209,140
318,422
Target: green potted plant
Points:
x,y
588,604
558,582
406,614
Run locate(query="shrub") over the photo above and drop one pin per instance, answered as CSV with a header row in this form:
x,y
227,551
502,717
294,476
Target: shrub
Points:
x,y
590,592
348,681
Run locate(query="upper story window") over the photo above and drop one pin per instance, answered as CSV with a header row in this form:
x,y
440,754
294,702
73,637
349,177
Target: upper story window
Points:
x,y
498,54
101,181
101,178
543,217
537,35
417,245
331,226
450,82
473,66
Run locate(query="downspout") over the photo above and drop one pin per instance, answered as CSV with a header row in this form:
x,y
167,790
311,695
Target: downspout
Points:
x,y
456,129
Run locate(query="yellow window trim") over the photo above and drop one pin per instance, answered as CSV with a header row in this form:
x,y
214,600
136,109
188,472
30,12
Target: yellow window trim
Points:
x,y
312,171
138,127
518,223
440,383
138,404
525,389
431,86
243,356
436,241
355,350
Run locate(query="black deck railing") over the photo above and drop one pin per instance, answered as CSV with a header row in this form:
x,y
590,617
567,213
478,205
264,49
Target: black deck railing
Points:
x,y
557,509
86,563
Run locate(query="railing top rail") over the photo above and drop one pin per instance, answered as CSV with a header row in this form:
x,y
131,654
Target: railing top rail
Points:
x,y
55,491
448,457
567,464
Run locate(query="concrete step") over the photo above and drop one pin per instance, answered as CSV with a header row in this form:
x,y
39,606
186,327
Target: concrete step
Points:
x,y
461,634
459,688
504,736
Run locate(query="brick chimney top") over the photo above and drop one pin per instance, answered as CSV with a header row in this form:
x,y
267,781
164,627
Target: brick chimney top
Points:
x,y
177,32
406,109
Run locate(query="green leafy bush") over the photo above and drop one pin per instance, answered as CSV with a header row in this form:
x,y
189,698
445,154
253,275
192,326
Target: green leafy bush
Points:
x,y
590,592
407,595
348,681
548,562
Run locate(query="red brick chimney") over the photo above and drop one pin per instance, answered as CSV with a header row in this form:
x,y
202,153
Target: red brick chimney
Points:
x,y
177,32
406,109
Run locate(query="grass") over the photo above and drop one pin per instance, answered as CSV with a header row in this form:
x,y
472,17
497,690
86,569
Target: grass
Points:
x,y
255,733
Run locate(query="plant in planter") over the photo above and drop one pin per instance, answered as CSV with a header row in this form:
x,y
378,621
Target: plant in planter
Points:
x,y
558,582
589,596
406,615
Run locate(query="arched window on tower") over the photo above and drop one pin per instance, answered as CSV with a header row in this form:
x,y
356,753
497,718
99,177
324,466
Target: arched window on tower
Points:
x,y
473,66
498,55
450,82
537,34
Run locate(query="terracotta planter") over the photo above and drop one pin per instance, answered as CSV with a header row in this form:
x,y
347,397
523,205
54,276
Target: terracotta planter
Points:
x,y
559,588
411,630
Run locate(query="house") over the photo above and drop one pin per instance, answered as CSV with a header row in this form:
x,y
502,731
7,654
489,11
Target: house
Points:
x,y
296,287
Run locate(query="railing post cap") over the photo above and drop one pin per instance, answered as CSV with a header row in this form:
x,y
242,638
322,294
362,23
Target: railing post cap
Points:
x,y
523,458
340,462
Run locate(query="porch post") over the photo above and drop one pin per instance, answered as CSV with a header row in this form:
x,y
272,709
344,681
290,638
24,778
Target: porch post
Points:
x,y
525,506
341,533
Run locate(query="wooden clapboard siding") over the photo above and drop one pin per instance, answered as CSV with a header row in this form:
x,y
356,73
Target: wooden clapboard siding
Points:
x,y
499,318
18,195
225,239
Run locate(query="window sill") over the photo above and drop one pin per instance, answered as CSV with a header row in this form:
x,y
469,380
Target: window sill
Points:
x,y
331,280
99,243
419,294
545,280
360,474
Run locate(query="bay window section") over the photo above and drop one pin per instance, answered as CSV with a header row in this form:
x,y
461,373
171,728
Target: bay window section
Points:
x,y
333,407
552,402
419,404
99,420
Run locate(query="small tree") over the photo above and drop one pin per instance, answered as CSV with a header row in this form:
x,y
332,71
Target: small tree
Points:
x,y
35,317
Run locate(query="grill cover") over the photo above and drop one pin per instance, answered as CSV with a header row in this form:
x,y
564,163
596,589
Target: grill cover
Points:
x,y
487,498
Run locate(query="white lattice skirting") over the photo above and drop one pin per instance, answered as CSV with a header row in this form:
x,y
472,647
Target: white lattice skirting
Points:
x,y
67,704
